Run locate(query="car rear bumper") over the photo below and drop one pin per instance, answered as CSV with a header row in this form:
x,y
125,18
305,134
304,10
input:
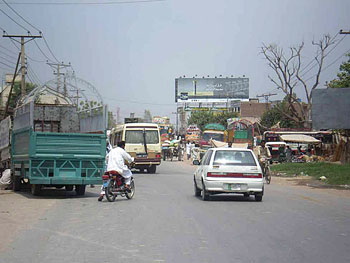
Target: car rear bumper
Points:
x,y
235,186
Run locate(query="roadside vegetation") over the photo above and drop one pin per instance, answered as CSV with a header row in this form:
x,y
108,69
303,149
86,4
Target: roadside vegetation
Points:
x,y
336,174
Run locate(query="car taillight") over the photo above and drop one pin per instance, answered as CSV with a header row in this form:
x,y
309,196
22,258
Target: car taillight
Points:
x,y
252,175
234,175
158,155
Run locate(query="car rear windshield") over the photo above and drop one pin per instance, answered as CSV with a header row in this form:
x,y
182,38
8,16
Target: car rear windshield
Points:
x,y
242,158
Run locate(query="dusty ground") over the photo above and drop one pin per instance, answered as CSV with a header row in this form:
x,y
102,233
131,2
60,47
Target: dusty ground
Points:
x,y
17,212
309,182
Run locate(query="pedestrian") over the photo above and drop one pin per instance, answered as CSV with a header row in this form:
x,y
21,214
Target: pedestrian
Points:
x,y
288,154
188,150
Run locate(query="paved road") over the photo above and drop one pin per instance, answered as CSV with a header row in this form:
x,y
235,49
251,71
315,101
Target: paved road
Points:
x,y
166,223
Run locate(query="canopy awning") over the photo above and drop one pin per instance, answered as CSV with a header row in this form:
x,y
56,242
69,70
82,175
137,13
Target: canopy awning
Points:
x,y
300,138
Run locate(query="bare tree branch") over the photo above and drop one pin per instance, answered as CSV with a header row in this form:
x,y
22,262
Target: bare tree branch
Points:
x,y
287,67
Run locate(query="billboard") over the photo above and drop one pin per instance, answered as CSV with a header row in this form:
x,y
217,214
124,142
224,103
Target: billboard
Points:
x,y
331,108
211,88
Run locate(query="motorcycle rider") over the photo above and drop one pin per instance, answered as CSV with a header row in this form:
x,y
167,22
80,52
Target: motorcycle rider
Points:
x,y
116,162
263,154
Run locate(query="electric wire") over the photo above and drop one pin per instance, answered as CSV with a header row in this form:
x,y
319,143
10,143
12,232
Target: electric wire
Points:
x,y
325,55
8,50
47,45
20,16
41,51
7,60
25,20
87,3
18,24
11,67
318,52
4,53
329,65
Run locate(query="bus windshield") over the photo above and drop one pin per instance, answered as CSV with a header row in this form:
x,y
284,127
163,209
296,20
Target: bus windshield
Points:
x,y
214,136
136,137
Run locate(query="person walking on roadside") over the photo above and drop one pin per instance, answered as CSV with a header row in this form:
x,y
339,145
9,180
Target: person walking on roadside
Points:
x,y
288,154
188,150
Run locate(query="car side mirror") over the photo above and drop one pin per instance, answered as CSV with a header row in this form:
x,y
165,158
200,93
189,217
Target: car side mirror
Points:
x,y
196,162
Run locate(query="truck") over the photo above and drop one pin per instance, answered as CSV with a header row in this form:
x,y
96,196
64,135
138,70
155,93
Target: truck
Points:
x,y
213,131
193,134
57,146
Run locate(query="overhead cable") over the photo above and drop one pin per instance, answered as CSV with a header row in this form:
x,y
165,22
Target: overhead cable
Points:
x,y
13,20
21,16
88,3
329,65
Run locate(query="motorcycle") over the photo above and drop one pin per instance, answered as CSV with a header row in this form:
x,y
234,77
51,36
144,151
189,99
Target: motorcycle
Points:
x,y
114,185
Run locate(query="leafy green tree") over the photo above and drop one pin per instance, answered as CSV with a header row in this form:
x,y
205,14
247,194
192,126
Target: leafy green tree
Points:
x,y
343,77
16,92
278,114
202,118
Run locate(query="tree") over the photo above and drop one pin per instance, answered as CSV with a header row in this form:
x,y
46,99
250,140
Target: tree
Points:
x,y
277,115
343,80
111,120
202,118
147,116
288,76
16,93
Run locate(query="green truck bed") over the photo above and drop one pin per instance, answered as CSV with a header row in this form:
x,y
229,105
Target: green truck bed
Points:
x,y
49,158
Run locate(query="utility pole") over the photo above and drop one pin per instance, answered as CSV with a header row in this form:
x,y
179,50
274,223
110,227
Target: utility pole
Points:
x,y
266,96
24,39
58,67
344,32
77,97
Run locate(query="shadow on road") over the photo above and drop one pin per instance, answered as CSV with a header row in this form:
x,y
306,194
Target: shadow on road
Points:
x,y
230,198
53,193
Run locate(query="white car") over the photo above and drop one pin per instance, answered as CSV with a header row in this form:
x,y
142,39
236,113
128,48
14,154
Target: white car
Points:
x,y
229,170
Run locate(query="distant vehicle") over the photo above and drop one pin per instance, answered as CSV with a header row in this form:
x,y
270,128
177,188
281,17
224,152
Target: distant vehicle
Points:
x,y
193,134
229,170
142,141
213,131
277,150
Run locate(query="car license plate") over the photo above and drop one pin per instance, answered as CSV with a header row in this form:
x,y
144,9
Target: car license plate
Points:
x,y
105,183
141,155
235,187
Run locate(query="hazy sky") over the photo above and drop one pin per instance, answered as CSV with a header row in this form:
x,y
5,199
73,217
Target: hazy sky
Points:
x,y
133,52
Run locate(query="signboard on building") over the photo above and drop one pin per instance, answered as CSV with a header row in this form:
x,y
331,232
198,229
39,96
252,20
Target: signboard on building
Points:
x,y
211,88
160,120
331,108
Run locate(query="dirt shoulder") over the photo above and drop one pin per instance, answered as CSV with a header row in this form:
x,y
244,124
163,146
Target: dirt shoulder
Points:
x,y
18,211
311,183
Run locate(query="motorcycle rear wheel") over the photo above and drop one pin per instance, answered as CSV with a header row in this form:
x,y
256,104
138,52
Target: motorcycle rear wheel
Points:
x,y
109,194
131,193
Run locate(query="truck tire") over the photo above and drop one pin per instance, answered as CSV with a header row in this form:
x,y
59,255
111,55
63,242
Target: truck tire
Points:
x,y
36,189
16,183
80,189
152,169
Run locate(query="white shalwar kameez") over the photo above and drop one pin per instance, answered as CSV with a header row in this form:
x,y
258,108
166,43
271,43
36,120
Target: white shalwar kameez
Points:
x,y
116,162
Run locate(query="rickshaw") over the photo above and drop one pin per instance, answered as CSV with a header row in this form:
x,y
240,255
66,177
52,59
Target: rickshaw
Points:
x,y
277,150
